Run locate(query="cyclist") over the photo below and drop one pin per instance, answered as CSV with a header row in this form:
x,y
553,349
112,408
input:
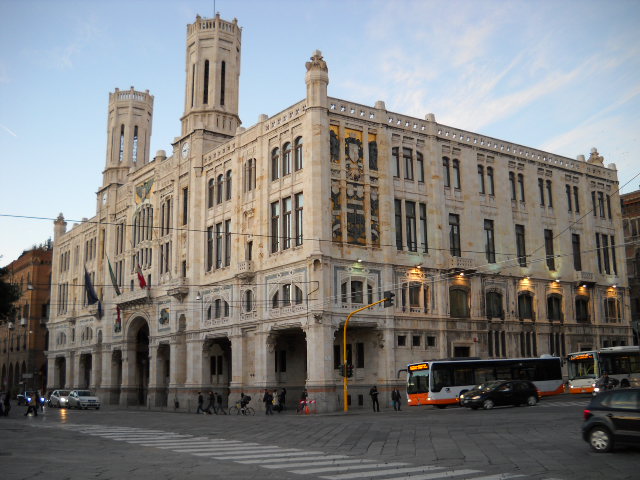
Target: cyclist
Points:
x,y
244,401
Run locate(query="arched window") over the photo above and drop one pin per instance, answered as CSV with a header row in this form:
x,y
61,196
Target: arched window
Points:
x,y
554,308
248,301
275,163
298,163
612,310
219,186
134,153
446,172
286,159
456,174
121,153
512,185
228,186
210,193
275,300
582,310
481,178
209,312
490,184
297,295
494,305
525,306
217,308
459,302
205,86
226,309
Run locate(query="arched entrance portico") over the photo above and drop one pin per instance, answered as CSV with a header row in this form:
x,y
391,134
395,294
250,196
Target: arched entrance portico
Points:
x,y
135,364
216,363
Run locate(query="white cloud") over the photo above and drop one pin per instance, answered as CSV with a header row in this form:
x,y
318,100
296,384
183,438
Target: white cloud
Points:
x,y
8,130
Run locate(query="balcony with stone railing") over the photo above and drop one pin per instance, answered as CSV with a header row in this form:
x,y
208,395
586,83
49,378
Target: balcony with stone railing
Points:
x,y
461,264
246,269
132,298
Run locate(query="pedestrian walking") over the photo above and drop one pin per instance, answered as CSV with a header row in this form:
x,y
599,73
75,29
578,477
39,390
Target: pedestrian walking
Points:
x,y
276,401
373,393
220,407
212,404
303,401
32,406
7,403
395,398
200,402
268,402
282,398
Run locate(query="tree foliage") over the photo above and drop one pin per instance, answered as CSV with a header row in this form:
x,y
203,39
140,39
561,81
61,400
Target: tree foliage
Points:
x,y
9,294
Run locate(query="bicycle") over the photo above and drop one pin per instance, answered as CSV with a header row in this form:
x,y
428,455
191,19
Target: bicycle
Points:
x,y
238,409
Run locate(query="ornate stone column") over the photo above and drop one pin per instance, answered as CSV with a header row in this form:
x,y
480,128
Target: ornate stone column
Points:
x,y
153,394
52,380
96,368
237,364
320,384
128,389
71,360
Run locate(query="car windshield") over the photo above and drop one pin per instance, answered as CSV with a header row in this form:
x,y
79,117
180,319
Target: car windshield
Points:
x,y
84,393
63,393
483,387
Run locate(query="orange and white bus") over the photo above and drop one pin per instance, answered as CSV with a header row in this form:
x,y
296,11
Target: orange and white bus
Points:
x,y
440,382
621,363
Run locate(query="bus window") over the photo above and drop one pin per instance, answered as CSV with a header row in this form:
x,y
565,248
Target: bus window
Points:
x,y
418,382
484,375
462,375
524,373
503,372
634,364
441,378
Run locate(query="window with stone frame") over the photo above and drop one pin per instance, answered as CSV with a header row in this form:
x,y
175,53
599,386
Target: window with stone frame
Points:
x,y
298,162
612,313
248,301
554,308
582,309
493,305
525,306
356,292
275,163
458,302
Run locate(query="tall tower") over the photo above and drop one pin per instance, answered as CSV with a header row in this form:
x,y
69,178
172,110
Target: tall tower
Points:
x,y
213,77
128,134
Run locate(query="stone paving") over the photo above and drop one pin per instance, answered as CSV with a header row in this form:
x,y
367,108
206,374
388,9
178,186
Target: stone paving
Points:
x,y
540,443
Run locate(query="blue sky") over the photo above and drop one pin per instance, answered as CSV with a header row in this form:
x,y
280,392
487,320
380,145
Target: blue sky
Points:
x,y
561,76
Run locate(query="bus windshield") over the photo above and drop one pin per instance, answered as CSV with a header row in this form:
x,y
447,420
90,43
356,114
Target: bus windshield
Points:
x,y
418,382
582,368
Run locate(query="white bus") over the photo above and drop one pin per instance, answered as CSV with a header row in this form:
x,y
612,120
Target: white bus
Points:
x,y
621,363
440,382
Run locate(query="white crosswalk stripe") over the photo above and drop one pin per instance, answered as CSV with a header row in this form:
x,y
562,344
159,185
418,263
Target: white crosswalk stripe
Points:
x,y
292,460
311,471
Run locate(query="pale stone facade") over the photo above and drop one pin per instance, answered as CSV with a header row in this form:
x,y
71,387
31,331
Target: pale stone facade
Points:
x,y
256,243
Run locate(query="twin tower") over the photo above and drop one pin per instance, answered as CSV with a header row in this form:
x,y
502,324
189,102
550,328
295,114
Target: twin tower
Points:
x,y
210,104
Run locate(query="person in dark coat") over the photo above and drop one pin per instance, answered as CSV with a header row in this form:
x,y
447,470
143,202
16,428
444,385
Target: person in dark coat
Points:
x,y
212,404
220,407
268,402
7,403
200,402
373,393
282,398
395,398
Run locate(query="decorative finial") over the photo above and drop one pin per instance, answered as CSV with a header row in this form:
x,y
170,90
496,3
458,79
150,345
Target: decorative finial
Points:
x,y
595,157
317,62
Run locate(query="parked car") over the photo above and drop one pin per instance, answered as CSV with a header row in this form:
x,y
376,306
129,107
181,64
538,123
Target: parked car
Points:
x,y
500,392
23,397
83,399
612,418
59,398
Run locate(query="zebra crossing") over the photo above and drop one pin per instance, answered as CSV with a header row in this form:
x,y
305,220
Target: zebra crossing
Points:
x,y
575,403
292,460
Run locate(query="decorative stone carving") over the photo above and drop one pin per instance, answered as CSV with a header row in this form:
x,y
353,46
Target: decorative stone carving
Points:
x,y
595,157
317,62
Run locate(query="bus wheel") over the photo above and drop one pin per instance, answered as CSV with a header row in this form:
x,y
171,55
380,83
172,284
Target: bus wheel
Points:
x,y
441,407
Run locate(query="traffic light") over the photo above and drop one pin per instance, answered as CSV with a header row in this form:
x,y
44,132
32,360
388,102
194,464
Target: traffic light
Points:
x,y
349,370
388,298
341,369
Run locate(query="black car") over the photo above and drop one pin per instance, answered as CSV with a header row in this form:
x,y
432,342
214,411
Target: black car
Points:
x,y
612,418
500,392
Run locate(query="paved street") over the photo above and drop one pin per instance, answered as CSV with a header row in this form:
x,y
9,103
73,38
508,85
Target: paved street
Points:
x,y
541,442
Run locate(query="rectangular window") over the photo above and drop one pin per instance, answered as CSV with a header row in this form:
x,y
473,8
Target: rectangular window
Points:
x,y
420,166
568,191
454,235
613,255
601,204
275,227
218,245
609,207
489,244
222,81
410,209
299,203
481,178
423,227
209,248
549,194
512,185
227,243
576,202
548,247
491,190
431,341
402,340
598,252
185,206
594,209
521,185
398,214
407,154
605,254
541,191
416,340
286,223
337,355
577,259
359,355
395,160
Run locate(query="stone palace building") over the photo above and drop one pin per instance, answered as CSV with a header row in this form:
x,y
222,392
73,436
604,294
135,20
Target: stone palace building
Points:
x,y
256,243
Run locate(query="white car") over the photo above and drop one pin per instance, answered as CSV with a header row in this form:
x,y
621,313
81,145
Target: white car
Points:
x,y
83,399
59,398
